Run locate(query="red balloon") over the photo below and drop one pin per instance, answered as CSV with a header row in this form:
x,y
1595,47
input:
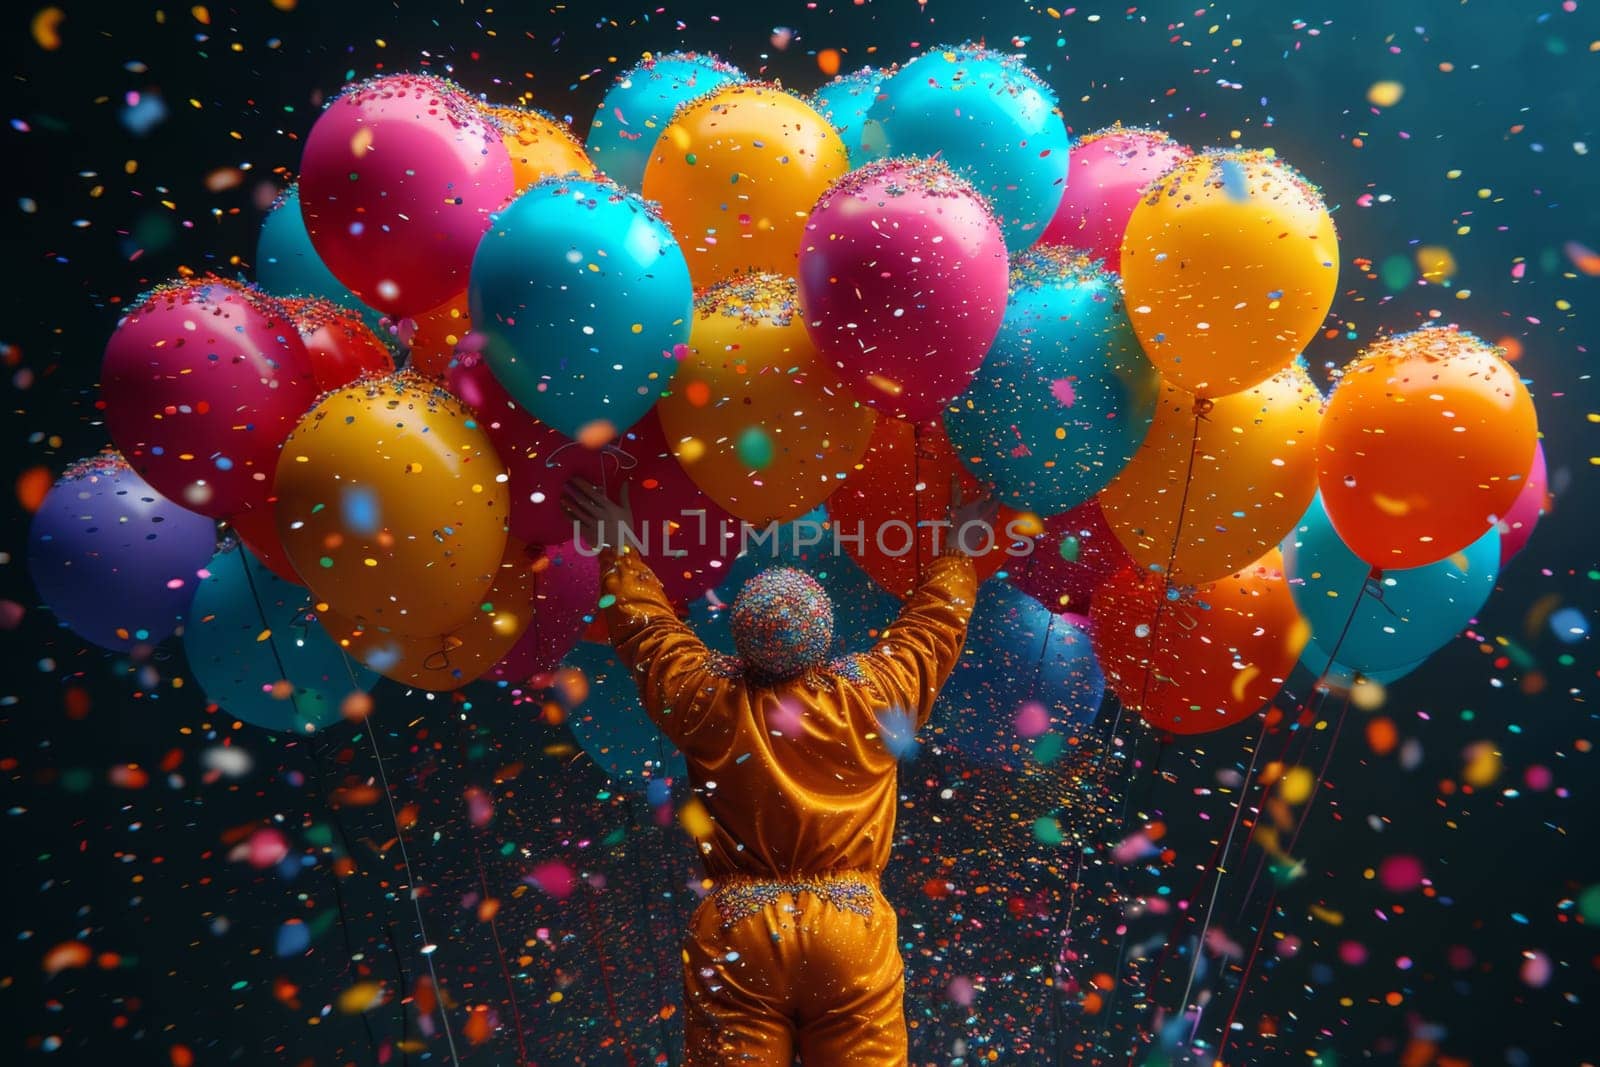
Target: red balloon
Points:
x,y
902,482
566,589
341,345
259,531
664,498
539,461
202,382
1194,660
1071,559
689,553
397,183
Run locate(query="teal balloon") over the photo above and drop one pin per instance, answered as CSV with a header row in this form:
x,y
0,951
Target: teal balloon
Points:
x,y
1065,395
990,118
1314,659
1018,655
611,725
845,102
1378,622
287,265
641,103
580,294
249,629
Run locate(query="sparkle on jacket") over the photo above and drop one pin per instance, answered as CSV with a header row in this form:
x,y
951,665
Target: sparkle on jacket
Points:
x,y
795,774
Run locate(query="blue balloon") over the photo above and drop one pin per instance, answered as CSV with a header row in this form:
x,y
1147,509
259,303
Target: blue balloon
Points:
x,y
287,265
610,724
248,630
1064,396
1018,654
992,119
844,102
1395,618
641,103
114,559
581,294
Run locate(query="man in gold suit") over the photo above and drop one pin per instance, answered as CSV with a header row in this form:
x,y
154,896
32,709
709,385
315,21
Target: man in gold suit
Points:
x,y
794,949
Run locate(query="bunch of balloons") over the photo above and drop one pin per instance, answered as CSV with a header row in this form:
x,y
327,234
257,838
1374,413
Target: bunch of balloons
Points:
x,y
752,306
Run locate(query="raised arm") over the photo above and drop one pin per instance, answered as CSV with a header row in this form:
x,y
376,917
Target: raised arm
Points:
x,y
663,654
921,647
916,654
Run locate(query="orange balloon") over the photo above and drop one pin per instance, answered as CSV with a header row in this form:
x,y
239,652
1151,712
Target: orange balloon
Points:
x,y
737,172
902,482
1207,659
1229,266
757,417
540,145
434,335
1218,482
392,505
445,661
1428,440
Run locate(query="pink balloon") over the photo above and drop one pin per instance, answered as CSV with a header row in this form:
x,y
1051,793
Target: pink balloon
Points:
x,y
903,280
202,381
1110,168
398,179
664,496
1072,558
1523,515
565,594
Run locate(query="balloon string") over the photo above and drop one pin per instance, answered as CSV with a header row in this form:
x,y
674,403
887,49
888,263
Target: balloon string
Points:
x,y
636,847
1316,691
272,635
494,926
338,894
1266,918
605,982
1220,855
412,885
1202,407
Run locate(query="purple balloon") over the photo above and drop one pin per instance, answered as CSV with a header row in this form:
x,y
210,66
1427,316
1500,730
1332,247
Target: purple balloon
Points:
x,y
114,559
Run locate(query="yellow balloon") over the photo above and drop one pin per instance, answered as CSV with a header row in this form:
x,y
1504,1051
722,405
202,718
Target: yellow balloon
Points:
x,y
541,146
1229,266
392,505
1240,470
737,172
758,418
441,662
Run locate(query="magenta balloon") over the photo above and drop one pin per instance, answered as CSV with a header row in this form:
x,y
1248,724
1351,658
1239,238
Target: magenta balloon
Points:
x,y
202,381
1071,560
706,538
565,594
903,281
398,179
1523,515
539,461
1110,168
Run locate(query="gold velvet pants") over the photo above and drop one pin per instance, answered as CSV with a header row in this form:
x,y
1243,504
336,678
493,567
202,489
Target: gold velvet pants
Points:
x,y
809,966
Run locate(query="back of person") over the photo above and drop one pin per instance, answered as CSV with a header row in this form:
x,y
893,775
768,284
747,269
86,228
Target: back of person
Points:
x,y
794,948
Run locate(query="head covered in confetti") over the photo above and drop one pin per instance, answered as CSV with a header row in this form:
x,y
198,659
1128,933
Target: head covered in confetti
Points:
x,y
782,623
